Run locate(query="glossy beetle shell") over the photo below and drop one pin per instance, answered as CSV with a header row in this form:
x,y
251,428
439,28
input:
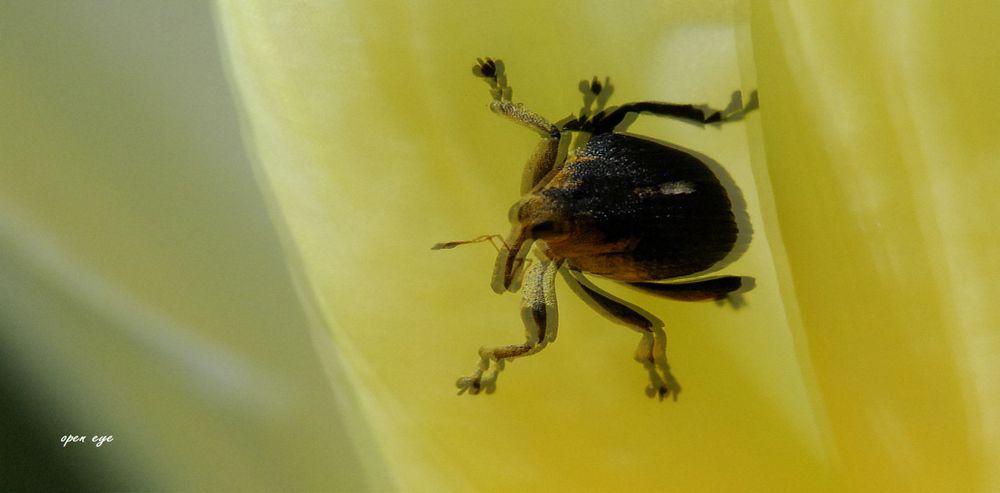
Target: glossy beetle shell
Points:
x,y
631,209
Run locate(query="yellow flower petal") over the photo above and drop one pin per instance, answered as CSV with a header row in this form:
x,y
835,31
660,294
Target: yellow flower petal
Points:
x,y
880,134
863,358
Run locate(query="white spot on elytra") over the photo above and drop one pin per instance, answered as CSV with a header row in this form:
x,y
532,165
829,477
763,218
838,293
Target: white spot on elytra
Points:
x,y
677,188
668,188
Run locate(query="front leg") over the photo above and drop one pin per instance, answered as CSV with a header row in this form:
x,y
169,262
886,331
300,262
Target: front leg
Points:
x,y
544,160
538,311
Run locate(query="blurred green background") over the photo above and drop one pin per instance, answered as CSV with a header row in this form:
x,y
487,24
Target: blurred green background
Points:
x,y
142,289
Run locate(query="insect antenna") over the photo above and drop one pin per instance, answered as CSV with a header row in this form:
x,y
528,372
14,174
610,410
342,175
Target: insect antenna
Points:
x,y
447,245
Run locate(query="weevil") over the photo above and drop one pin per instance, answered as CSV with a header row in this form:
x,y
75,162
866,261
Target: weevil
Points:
x,y
617,206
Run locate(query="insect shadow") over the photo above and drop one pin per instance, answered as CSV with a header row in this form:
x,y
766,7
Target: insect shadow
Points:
x,y
579,284
734,111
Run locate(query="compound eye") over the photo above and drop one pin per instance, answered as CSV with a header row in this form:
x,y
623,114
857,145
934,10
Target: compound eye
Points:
x,y
544,228
514,213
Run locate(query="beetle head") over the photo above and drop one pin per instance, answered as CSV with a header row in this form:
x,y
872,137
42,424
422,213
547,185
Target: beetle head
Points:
x,y
541,217
534,217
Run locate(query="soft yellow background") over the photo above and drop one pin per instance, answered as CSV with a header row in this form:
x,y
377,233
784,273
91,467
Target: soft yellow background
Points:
x,y
377,143
881,131
865,357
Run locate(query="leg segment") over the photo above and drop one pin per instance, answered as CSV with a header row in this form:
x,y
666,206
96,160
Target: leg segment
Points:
x,y
544,159
716,288
538,311
541,164
651,352
606,121
521,115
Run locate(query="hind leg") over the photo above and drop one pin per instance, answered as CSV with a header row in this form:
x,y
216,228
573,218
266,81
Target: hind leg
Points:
x,y
651,352
715,288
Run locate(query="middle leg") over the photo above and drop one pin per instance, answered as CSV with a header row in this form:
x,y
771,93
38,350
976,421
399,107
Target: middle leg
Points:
x,y
651,352
606,121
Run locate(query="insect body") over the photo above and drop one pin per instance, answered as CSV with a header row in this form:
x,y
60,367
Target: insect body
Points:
x,y
621,207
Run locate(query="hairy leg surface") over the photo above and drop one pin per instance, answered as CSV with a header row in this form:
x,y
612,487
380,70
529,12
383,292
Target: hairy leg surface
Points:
x,y
546,154
538,311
